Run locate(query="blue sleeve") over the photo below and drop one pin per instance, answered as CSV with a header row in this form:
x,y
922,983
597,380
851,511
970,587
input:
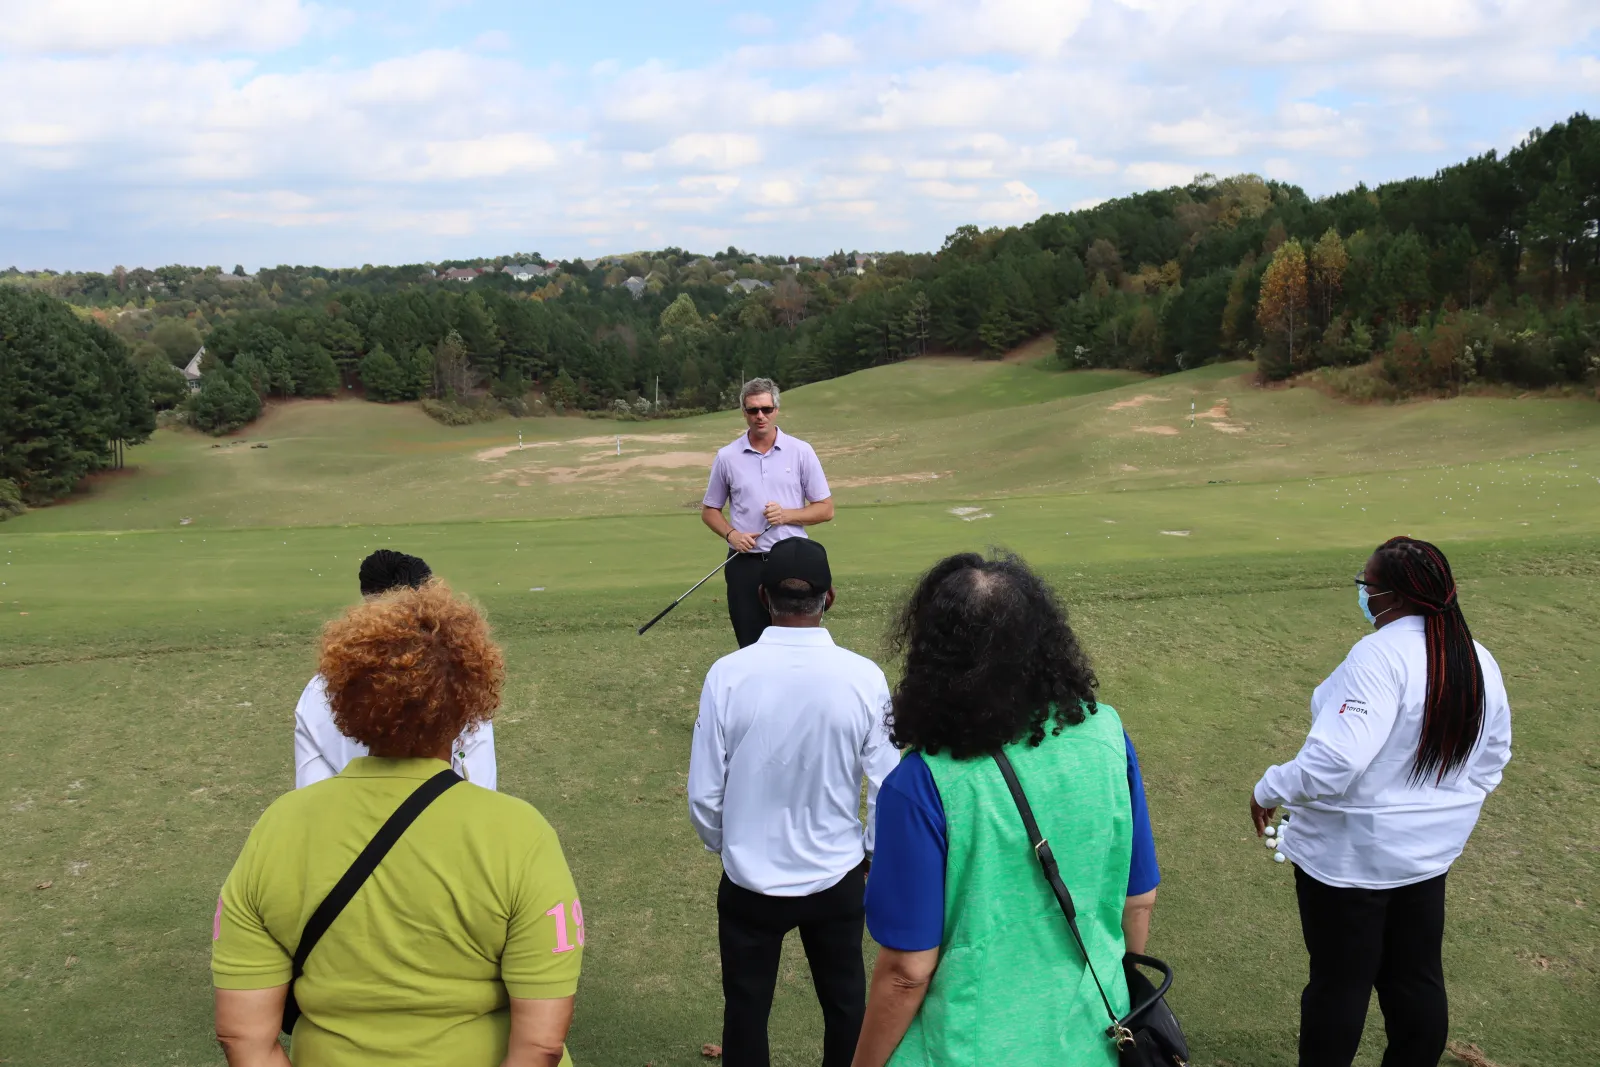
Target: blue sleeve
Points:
x,y
1143,874
905,888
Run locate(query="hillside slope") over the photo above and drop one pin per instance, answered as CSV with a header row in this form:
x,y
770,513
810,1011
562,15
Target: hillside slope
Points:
x,y
929,430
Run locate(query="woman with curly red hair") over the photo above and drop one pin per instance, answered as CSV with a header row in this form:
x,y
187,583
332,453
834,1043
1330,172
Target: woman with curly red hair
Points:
x,y
463,943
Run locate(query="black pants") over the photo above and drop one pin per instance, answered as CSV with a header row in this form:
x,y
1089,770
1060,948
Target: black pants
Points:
x,y
750,931
749,618
1359,939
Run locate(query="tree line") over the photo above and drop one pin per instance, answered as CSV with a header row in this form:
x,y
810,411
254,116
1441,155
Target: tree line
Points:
x,y
70,399
1480,272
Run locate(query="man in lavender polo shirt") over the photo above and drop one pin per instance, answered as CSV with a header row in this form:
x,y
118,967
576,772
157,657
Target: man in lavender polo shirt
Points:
x,y
775,486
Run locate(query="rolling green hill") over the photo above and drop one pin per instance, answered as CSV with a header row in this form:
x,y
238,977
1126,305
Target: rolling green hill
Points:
x,y
148,670
929,430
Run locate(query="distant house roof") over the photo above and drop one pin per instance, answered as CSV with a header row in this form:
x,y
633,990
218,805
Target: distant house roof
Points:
x,y
749,285
792,268
461,274
635,285
589,264
192,371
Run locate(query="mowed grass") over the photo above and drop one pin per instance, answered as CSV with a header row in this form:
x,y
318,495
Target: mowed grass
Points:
x,y
148,675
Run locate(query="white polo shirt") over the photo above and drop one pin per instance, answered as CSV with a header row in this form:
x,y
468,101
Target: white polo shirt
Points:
x,y
1358,819
321,751
788,728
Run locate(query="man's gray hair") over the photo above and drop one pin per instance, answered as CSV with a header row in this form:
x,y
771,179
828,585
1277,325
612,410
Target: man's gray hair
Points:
x,y
757,386
793,599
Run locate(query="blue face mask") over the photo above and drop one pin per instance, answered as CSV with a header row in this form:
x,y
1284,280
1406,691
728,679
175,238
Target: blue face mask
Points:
x,y
1363,597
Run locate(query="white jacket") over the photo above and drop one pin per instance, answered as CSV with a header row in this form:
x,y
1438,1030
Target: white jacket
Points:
x,y
321,751
1358,820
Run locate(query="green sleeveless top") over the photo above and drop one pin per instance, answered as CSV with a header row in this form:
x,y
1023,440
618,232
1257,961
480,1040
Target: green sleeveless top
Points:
x,y
1011,986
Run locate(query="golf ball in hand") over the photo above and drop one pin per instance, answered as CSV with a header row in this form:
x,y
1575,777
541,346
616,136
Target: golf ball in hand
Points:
x,y
1277,857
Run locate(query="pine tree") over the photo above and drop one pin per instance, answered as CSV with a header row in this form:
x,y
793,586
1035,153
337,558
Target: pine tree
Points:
x,y
382,376
68,394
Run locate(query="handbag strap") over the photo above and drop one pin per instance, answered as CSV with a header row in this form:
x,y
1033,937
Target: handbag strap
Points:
x,y
346,888
1052,873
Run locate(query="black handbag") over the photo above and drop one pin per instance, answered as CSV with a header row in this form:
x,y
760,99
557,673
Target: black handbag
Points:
x,y
1149,1035
345,889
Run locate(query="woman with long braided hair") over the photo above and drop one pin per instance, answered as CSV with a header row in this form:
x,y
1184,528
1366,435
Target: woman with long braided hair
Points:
x,y
1408,736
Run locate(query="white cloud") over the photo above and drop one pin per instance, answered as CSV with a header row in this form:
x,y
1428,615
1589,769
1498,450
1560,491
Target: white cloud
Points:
x,y
104,26
777,192
495,156
718,151
1160,175
901,118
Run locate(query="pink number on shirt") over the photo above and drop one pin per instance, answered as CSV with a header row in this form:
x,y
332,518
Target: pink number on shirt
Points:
x,y
560,913
216,923
577,918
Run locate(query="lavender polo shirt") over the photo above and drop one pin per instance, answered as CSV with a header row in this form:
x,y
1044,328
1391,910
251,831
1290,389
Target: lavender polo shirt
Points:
x,y
789,473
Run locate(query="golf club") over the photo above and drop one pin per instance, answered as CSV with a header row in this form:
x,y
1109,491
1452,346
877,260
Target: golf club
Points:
x,y
691,589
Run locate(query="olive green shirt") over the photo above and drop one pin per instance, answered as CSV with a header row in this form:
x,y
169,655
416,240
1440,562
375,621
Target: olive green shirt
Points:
x,y
473,905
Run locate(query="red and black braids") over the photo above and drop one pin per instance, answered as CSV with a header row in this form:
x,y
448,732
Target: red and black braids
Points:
x,y
1452,716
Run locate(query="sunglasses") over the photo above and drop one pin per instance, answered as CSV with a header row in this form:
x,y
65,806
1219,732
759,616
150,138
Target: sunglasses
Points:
x,y
760,411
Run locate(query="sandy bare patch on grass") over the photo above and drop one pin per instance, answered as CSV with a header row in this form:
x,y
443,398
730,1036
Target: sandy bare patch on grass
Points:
x,y
643,466
1135,402
1175,533
1127,468
1219,416
501,451
1162,431
889,479
970,514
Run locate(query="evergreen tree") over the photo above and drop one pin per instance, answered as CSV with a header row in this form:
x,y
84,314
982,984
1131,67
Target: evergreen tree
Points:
x,y
223,403
314,371
165,384
68,392
384,379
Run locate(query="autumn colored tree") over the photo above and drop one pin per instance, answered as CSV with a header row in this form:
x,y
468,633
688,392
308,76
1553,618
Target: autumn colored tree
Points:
x,y
1282,307
1328,261
789,299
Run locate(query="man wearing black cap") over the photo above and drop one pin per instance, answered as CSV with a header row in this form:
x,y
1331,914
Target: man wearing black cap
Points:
x,y
788,727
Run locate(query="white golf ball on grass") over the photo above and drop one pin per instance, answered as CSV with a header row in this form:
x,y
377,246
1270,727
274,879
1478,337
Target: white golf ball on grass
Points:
x,y
1272,831
1277,857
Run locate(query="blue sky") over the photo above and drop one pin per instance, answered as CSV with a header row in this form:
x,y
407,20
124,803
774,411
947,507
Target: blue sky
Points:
x,y
145,132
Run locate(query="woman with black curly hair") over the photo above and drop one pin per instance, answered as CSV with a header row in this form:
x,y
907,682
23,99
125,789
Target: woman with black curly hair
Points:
x,y
976,964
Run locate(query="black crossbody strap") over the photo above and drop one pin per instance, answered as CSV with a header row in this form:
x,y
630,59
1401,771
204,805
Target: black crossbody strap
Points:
x,y
346,888
1052,874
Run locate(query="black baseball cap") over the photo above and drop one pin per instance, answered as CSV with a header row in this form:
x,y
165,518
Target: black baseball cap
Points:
x,y
797,557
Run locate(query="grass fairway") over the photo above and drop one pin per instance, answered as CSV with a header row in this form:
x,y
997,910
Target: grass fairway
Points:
x,y
148,672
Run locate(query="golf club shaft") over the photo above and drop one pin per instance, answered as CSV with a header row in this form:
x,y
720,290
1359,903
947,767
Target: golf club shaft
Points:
x,y
725,561
685,596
